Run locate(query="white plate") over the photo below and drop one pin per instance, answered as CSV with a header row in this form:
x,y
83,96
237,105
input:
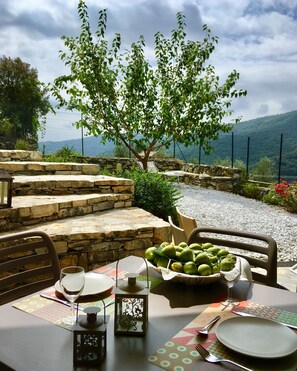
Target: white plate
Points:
x,y
257,337
95,283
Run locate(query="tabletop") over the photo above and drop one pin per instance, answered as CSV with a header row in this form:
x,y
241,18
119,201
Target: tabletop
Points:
x,y
29,343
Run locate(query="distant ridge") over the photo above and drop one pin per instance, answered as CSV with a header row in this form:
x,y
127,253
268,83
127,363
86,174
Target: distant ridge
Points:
x,y
264,135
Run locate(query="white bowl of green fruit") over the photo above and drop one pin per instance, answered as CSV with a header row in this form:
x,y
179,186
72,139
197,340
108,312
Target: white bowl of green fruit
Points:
x,y
196,264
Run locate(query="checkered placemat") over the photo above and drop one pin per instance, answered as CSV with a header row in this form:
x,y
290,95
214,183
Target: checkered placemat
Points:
x,y
179,353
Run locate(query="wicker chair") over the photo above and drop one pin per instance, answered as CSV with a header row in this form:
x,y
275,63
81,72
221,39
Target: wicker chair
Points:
x,y
28,263
258,249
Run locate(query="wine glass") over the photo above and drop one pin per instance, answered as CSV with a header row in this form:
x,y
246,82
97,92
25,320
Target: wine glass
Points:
x,y
230,278
72,281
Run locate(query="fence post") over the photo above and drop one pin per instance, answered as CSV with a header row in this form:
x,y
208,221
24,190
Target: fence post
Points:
x,y
199,155
247,156
232,149
280,157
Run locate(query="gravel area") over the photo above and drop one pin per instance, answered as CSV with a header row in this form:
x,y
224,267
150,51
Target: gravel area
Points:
x,y
226,210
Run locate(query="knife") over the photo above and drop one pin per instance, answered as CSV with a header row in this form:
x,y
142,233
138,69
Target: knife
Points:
x,y
65,302
244,314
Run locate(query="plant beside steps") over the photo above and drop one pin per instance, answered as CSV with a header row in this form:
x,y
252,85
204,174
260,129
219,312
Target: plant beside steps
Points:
x,y
89,216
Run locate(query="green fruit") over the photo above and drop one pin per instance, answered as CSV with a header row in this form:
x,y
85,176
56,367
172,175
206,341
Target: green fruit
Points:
x,y
231,257
213,250
177,267
195,246
186,255
226,264
183,244
223,252
206,245
163,244
213,258
150,253
169,251
203,258
190,268
178,248
204,270
215,269
162,261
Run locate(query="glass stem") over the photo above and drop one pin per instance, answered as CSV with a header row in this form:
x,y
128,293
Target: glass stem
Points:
x,y
72,310
228,292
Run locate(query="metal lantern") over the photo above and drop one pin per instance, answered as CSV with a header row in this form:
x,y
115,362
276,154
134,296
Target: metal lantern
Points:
x,y
131,305
89,341
5,189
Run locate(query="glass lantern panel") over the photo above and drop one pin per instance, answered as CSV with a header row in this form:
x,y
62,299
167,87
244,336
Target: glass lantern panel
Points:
x,y
130,315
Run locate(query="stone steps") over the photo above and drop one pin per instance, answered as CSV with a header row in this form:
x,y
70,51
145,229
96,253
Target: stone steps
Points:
x,y
89,216
96,239
30,210
52,168
70,184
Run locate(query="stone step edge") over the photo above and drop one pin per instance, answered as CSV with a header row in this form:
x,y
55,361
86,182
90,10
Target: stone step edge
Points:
x,y
30,210
40,167
70,184
92,240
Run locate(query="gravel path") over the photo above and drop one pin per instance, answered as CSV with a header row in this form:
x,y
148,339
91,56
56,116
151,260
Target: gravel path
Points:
x,y
227,210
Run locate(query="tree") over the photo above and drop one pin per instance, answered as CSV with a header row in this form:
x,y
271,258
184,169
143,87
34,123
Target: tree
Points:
x,y
23,100
126,99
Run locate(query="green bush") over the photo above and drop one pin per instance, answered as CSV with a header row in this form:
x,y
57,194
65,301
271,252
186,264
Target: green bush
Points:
x,y
64,154
152,192
250,190
22,144
264,170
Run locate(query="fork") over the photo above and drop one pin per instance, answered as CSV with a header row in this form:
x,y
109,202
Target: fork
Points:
x,y
214,359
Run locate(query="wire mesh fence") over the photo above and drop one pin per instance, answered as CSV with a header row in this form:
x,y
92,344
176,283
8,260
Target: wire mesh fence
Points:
x,y
269,156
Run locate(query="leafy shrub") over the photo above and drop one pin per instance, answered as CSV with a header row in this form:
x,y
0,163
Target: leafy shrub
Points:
x,y
250,190
64,154
22,144
264,170
283,194
152,192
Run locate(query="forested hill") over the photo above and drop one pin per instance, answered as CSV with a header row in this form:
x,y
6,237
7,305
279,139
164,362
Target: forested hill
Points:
x,y
264,140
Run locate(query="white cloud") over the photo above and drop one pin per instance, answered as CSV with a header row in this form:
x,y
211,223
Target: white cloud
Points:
x,y
256,37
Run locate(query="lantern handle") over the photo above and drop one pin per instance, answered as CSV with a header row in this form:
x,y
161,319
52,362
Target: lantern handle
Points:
x,y
147,274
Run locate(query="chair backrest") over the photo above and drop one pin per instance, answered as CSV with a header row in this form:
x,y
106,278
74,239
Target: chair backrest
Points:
x,y
178,234
28,263
186,222
258,249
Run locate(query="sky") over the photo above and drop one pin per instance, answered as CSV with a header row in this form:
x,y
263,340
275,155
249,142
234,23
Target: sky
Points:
x,y
257,38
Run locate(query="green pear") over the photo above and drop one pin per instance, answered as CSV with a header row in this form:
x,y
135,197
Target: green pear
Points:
x,y
183,244
169,251
204,270
203,258
213,250
226,264
190,268
186,255
177,267
150,253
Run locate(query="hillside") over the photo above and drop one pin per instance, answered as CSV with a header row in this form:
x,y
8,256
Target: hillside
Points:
x,y
264,137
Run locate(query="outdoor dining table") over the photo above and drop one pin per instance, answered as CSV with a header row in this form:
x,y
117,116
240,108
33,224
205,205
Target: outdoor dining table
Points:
x,y
29,343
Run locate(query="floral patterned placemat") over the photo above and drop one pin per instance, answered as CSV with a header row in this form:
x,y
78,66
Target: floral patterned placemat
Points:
x,y
179,353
